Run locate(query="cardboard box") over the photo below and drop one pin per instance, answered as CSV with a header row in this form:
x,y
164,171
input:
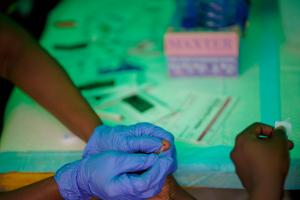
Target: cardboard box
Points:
x,y
202,53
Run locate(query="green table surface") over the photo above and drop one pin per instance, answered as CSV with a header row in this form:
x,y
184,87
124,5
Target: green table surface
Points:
x,y
266,89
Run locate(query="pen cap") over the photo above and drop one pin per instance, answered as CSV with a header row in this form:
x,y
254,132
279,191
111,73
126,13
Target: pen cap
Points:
x,y
214,14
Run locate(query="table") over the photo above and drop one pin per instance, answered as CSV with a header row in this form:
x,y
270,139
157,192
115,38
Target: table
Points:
x,y
267,88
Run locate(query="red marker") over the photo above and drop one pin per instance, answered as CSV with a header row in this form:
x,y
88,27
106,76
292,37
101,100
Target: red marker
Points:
x,y
214,119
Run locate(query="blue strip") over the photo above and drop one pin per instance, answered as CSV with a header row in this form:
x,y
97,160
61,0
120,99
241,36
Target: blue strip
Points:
x,y
270,64
36,161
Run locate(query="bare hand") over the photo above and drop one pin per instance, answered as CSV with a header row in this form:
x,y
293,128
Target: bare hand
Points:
x,y
261,158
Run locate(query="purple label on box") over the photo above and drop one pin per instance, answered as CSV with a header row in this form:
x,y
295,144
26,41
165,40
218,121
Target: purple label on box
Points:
x,y
203,66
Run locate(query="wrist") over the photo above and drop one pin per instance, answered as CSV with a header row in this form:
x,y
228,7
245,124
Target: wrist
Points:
x,y
95,144
88,131
268,190
265,194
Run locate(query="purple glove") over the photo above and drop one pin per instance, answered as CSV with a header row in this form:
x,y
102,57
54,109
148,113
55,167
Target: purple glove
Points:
x,y
113,175
138,138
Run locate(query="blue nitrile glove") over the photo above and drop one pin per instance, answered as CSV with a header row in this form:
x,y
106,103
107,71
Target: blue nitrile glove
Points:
x,y
138,138
113,175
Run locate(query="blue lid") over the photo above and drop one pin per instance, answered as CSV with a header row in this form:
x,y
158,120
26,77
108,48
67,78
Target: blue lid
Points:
x,y
214,14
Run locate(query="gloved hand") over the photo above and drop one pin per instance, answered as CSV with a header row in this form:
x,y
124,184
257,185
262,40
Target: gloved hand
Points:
x,y
113,175
138,138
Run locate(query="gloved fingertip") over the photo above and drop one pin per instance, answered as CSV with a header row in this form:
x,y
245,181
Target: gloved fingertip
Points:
x,y
168,164
145,144
151,159
154,142
166,160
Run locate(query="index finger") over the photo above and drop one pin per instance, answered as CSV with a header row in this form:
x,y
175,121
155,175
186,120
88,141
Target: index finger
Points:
x,y
152,130
258,129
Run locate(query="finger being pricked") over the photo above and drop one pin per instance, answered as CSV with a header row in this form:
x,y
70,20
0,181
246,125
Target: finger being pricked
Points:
x,y
255,130
258,129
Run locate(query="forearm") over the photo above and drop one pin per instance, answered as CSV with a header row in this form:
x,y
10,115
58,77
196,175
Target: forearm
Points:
x,y
29,67
43,190
39,76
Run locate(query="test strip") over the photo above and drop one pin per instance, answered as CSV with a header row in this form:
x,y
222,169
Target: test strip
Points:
x,y
214,119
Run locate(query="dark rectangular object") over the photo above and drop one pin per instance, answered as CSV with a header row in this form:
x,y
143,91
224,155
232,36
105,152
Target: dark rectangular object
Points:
x,y
96,85
70,47
138,103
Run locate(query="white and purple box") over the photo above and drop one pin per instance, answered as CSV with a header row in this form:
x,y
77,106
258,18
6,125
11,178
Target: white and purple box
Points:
x,y
202,53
